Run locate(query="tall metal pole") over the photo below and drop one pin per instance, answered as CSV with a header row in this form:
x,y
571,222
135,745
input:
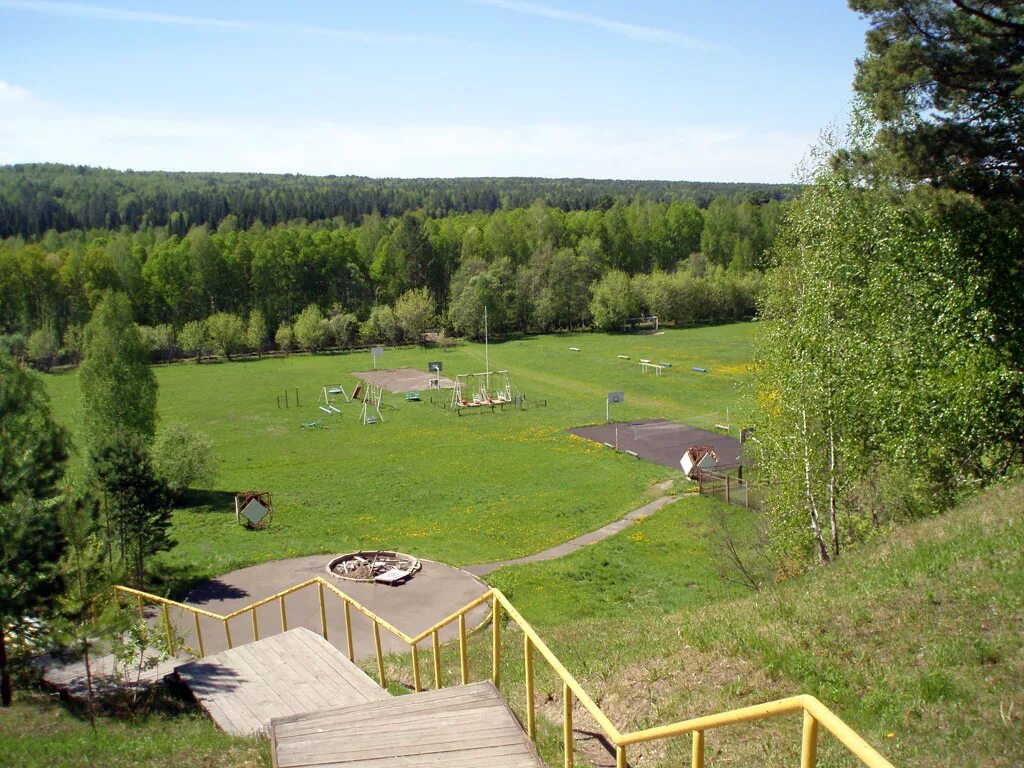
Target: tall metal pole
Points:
x,y
487,363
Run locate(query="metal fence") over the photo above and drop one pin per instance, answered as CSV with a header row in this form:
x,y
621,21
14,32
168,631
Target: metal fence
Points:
x,y
731,489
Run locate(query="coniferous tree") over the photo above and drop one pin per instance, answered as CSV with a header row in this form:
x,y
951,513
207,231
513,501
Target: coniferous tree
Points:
x,y
32,455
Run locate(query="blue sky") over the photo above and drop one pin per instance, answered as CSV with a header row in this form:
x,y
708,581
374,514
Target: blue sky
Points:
x,y
725,91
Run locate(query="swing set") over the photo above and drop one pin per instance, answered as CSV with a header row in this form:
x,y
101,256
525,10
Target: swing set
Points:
x,y
491,388
370,395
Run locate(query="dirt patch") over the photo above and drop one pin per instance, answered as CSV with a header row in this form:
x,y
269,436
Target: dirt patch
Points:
x,y
400,380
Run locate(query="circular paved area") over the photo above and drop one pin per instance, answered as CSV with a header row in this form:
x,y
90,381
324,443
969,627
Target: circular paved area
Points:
x,y
433,593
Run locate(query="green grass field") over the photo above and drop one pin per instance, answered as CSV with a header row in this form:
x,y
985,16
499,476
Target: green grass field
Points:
x,y
461,490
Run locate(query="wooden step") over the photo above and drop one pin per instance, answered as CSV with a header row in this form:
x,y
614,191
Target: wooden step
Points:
x,y
296,671
460,727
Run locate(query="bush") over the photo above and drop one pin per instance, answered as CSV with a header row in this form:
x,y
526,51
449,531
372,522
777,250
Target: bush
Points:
x,y
285,338
183,457
311,330
381,325
226,333
42,348
193,339
414,312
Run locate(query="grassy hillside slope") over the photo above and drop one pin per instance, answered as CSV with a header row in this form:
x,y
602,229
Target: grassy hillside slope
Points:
x,y
918,642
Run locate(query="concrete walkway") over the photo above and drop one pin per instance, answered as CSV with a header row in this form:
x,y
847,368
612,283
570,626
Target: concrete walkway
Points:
x,y
568,547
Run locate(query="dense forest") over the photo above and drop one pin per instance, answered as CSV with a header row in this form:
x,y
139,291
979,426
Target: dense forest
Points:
x,y
537,268
35,198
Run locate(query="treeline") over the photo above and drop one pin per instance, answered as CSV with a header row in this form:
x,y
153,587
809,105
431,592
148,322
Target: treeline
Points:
x,y
535,269
35,198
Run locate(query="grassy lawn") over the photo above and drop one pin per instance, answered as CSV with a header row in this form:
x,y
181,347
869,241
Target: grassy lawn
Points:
x,y
34,732
461,490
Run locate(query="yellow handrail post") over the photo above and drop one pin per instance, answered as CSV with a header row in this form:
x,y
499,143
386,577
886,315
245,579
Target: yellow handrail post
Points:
x,y
380,656
531,722
168,630
436,641
809,745
142,610
416,668
255,626
284,614
496,642
348,632
698,749
567,723
199,635
323,611
463,658
227,633
620,756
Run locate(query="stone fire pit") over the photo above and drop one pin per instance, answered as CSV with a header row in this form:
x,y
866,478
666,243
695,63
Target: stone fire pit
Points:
x,y
381,566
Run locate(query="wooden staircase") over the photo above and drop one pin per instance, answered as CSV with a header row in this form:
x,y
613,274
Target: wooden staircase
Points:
x,y
460,727
321,710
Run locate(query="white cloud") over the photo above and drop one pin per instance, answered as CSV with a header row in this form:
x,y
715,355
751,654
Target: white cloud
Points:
x,y
634,31
40,131
106,13
13,94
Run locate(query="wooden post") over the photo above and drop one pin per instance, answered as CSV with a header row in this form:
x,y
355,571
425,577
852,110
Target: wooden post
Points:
x,y
296,397
463,658
727,489
380,656
531,723
437,659
567,723
698,750
809,742
323,611
496,642
286,398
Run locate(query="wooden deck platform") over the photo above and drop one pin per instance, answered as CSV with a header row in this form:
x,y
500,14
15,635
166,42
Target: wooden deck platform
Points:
x,y
289,673
69,678
460,727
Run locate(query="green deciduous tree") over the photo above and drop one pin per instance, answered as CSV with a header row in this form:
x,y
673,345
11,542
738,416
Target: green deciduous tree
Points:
x,y
42,347
284,337
183,457
414,313
226,333
193,338
118,388
32,454
311,330
614,302
875,366
381,325
256,331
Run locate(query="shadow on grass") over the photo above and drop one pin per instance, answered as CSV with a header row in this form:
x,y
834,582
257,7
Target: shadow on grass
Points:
x,y
207,501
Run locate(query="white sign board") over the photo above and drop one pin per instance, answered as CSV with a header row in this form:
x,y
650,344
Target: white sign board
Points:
x,y
376,351
616,397
254,512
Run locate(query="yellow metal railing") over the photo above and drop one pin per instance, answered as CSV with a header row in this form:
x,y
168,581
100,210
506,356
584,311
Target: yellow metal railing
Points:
x,y
815,713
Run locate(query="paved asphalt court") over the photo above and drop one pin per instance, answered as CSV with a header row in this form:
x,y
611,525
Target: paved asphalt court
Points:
x,y
663,442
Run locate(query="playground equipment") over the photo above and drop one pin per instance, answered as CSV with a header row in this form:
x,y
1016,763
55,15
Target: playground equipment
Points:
x,y
646,366
475,389
370,395
330,391
254,508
